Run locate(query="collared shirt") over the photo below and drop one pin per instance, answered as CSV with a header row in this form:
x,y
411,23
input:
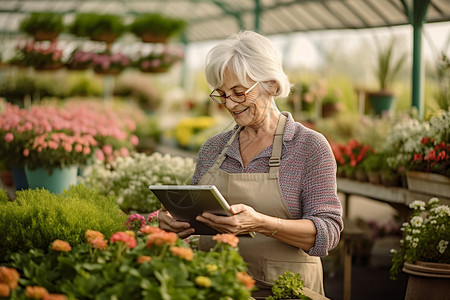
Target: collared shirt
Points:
x,y
307,177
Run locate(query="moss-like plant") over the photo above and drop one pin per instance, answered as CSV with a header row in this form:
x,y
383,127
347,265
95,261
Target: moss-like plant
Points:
x,y
157,24
42,21
93,25
37,217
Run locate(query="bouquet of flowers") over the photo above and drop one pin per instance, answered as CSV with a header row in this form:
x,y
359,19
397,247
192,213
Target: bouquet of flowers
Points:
x,y
425,236
128,178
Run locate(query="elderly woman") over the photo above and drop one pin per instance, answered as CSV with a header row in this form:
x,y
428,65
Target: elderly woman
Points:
x,y
278,175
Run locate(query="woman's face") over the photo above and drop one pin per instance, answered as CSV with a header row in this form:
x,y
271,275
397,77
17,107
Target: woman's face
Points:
x,y
250,112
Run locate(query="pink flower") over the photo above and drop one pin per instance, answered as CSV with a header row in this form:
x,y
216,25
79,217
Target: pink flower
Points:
x,y
100,155
78,148
86,150
68,147
9,137
124,152
122,237
134,140
107,149
26,152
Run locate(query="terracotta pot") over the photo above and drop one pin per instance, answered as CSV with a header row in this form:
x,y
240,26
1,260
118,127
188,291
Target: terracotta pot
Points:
x,y
49,67
391,179
429,281
329,109
361,175
374,177
106,37
155,70
107,72
45,35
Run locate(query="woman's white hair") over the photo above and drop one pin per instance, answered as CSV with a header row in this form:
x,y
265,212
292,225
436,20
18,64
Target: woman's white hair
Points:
x,y
250,56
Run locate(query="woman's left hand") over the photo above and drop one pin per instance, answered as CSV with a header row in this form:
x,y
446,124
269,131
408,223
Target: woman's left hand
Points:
x,y
244,220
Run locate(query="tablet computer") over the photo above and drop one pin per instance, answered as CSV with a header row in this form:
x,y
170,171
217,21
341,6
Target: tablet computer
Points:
x,y
186,202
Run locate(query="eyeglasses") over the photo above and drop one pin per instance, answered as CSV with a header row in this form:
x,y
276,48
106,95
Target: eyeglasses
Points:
x,y
236,97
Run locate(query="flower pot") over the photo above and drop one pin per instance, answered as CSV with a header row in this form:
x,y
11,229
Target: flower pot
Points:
x,y
390,179
49,67
374,177
155,70
56,182
361,175
106,37
380,102
108,71
148,37
41,35
427,280
20,178
428,183
329,109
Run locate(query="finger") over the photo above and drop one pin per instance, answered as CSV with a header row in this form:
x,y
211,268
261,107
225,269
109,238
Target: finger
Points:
x,y
185,233
237,208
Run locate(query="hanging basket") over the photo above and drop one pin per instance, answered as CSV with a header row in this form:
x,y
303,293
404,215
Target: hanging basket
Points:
x,y
41,35
148,37
106,37
155,70
108,71
49,67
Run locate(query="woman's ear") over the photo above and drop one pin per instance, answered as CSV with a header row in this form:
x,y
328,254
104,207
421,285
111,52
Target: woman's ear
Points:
x,y
273,87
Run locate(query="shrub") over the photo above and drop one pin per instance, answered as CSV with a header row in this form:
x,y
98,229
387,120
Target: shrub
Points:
x,y
42,21
36,218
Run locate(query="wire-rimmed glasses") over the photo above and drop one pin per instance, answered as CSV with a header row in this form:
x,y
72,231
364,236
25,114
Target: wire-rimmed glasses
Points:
x,y
236,97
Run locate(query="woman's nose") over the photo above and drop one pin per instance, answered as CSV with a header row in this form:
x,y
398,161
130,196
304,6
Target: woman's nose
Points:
x,y
230,104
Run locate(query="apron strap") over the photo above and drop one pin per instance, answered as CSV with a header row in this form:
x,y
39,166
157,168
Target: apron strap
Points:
x,y
275,159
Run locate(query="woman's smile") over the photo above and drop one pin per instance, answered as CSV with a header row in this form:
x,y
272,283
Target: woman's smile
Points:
x,y
239,112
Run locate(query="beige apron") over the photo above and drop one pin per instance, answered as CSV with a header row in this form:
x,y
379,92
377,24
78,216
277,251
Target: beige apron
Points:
x,y
267,257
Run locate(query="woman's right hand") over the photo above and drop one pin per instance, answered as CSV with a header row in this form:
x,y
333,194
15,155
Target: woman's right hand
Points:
x,y
168,223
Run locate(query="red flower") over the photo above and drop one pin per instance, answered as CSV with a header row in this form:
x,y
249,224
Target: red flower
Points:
x,y
122,237
417,157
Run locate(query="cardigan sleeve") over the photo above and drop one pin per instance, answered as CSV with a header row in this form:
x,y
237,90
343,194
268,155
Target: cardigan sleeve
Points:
x,y
319,194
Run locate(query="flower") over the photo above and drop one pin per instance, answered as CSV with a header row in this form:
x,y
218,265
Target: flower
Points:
x,y
61,246
38,54
4,290
36,292
161,238
144,258
99,243
227,238
105,61
123,237
159,60
135,222
185,253
246,279
92,234
425,236
350,156
10,277
55,297
203,281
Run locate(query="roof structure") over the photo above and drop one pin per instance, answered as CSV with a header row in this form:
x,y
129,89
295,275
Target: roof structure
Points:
x,y
217,19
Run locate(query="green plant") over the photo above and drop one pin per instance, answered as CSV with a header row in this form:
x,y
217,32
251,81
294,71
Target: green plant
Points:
x,y
388,66
92,25
288,286
37,217
425,236
42,21
128,178
151,265
157,24
373,162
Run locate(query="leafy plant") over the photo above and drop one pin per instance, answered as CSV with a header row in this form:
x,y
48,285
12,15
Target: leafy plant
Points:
x,y
388,67
157,24
151,265
37,217
42,21
288,286
425,236
92,25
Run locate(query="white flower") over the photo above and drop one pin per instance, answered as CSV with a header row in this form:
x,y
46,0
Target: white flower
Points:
x,y
433,200
417,204
416,221
442,246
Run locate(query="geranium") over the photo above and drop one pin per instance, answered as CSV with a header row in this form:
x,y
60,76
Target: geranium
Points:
x,y
80,60
135,222
109,61
425,236
227,238
38,54
123,237
10,277
433,158
350,155
61,246
128,178
174,271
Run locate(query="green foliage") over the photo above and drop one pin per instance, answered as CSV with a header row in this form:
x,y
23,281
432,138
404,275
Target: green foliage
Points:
x,y
288,286
387,66
115,272
374,162
157,24
38,217
3,196
92,25
42,21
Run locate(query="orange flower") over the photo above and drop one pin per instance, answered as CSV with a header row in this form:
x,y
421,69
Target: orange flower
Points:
x,y
227,238
161,238
248,281
36,292
99,243
55,297
4,290
122,237
148,229
10,277
92,234
185,253
59,245
142,259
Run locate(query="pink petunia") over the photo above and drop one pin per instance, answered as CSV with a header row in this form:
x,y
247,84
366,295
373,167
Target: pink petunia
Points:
x,y
134,140
9,137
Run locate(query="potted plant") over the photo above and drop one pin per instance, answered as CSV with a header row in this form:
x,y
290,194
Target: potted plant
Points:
x,y
387,69
372,165
159,61
98,27
156,28
424,253
43,25
330,104
109,63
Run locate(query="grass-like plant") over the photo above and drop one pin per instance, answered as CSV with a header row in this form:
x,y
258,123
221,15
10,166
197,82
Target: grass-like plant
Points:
x,y
388,66
93,25
37,217
157,24
42,21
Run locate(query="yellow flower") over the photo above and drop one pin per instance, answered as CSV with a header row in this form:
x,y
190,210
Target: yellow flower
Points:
x,y
203,281
211,268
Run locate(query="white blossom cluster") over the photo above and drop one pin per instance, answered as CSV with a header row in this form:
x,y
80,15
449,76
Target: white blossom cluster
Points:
x,y
128,178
